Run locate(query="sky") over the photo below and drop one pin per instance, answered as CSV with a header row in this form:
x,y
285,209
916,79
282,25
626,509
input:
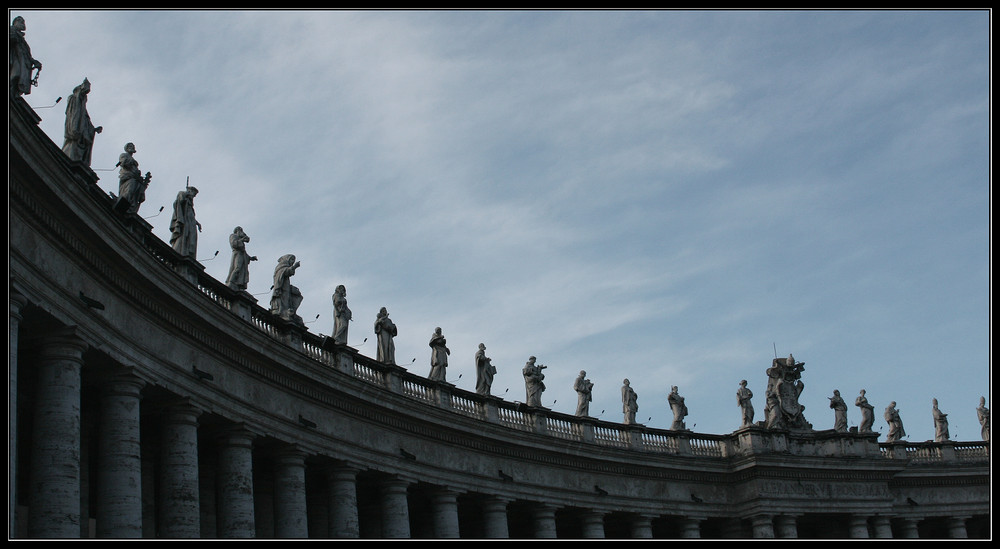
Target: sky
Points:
x,y
672,197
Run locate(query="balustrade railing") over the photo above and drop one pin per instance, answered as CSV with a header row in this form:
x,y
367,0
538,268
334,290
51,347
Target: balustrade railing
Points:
x,y
514,415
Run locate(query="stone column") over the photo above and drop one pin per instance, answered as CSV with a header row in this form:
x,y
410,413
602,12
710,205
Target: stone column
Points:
x,y
119,459
179,501
343,490
642,527
495,518
445,512
17,302
592,524
235,485
857,526
883,529
956,528
690,527
762,526
786,526
290,494
395,509
545,521
908,527
54,487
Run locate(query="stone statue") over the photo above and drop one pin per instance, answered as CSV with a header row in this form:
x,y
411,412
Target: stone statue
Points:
x,y
439,356
184,228
678,408
629,403
867,413
341,315
79,131
896,431
983,413
583,387
131,184
21,63
484,371
239,265
533,385
784,385
743,396
385,330
285,298
839,412
940,423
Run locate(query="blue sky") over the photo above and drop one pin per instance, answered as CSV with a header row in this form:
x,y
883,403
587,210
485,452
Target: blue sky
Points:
x,y
665,196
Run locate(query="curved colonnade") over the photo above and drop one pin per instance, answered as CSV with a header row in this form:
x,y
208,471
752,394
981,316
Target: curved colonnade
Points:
x,y
149,400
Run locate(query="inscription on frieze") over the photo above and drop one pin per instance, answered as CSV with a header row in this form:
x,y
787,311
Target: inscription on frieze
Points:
x,y
825,490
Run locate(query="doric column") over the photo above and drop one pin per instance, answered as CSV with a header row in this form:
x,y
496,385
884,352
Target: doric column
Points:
x,y
592,524
54,488
956,528
445,513
641,527
495,518
762,526
857,526
395,509
545,521
343,489
290,494
908,527
786,526
179,505
690,527
235,485
882,526
17,302
119,459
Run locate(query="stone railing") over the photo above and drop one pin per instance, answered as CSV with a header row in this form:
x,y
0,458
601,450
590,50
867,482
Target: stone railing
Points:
x,y
541,421
934,452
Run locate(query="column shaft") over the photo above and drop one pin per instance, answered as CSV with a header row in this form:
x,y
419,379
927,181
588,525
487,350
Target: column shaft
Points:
x,y
119,477
290,507
235,485
343,504
395,509
495,519
54,487
592,524
179,502
545,522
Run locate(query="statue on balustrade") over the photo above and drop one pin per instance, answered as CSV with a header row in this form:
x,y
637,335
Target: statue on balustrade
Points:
x,y
584,389
743,396
784,385
484,371
286,298
79,131
341,315
983,413
940,423
867,413
439,356
20,62
533,385
385,330
839,412
630,404
131,183
239,265
896,431
679,409
184,228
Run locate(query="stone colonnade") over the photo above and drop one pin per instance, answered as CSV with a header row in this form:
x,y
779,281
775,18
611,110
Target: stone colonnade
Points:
x,y
168,474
